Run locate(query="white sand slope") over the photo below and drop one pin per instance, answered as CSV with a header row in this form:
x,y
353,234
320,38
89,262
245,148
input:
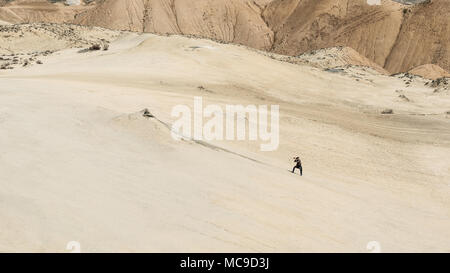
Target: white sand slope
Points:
x,y
79,162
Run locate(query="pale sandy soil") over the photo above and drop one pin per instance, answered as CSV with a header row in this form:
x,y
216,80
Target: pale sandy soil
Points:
x,y
430,71
79,163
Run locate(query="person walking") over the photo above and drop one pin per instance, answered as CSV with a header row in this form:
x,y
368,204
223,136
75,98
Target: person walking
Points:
x,y
298,165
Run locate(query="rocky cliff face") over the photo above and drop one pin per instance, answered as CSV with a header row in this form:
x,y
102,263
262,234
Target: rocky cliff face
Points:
x,y
424,37
397,35
233,21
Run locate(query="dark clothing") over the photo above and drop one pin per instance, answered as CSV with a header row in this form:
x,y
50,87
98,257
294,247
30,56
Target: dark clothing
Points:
x,y
298,166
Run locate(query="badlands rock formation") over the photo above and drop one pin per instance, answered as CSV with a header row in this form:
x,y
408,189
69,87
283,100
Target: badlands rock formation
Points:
x,y
430,71
236,21
396,36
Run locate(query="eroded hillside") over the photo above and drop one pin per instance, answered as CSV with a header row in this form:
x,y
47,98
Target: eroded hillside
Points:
x,y
396,36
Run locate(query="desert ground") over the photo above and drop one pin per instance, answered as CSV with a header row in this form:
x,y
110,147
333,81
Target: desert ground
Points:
x,y
81,162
